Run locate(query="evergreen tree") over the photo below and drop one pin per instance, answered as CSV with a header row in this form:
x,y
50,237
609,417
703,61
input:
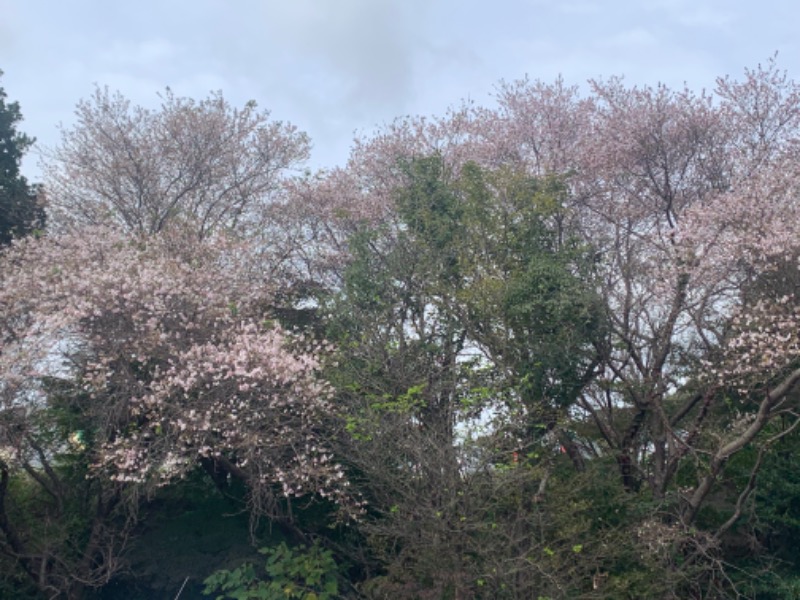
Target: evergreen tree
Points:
x,y
20,212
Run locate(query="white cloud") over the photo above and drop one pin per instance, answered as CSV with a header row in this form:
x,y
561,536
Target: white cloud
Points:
x,y
631,38
708,14
707,17
140,53
580,8
366,48
8,27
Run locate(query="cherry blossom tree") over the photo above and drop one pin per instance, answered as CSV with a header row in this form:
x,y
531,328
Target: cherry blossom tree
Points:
x,y
687,212
688,200
142,359
203,164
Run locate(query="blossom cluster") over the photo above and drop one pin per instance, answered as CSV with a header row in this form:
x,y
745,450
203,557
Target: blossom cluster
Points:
x,y
173,355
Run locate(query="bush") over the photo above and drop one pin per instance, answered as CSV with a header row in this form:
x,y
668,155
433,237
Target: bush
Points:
x,y
292,573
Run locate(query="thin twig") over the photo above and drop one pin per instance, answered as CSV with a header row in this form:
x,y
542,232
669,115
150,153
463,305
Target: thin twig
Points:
x,y
180,591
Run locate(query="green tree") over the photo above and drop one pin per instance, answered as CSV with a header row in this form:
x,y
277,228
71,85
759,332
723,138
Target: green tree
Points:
x,y
20,211
466,327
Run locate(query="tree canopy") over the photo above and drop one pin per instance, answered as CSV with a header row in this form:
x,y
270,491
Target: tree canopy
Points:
x,y
20,208
547,349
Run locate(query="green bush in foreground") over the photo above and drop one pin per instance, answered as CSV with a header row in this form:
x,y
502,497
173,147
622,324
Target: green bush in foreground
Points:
x,y
292,573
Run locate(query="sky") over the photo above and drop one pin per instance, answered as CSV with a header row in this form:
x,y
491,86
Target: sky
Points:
x,y
339,68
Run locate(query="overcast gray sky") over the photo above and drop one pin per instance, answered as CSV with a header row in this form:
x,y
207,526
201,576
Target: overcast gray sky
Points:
x,y
334,67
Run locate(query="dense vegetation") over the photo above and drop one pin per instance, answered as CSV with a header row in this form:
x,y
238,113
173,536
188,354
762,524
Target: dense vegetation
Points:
x,y
20,210
544,350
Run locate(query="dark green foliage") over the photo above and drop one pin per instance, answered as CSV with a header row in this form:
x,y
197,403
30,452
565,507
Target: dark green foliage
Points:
x,y
52,507
185,531
488,254
20,212
291,573
472,304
